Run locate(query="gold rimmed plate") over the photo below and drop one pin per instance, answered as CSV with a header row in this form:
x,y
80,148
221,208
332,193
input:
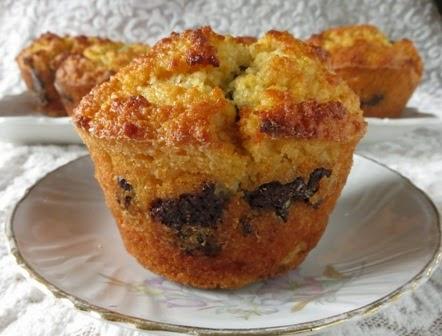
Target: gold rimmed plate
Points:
x,y
382,240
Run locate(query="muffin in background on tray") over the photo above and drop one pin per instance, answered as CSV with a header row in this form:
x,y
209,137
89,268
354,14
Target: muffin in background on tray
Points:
x,y
383,73
79,73
40,61
221,158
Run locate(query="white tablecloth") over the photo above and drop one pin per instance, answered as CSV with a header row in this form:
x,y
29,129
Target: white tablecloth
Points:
x,y
25,310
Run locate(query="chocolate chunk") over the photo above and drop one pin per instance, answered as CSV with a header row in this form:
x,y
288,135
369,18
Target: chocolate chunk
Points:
x,y
126,186
203,208
372,101
279,197
314,179
275,196
193,217
125,194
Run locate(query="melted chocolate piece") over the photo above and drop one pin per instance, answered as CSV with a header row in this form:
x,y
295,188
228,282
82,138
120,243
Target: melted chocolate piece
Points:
x,y
126,186
276,196
279,197
314,179
193,217
203,208
372,101
125,196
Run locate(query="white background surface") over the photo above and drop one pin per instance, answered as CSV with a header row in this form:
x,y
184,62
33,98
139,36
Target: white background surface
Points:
x,y
25,310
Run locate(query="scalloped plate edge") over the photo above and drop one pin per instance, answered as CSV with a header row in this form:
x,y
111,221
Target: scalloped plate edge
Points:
x,y
147,325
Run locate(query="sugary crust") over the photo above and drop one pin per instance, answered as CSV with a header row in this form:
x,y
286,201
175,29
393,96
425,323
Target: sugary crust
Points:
x,y
308,119
197,183
84,62
373,66
202,109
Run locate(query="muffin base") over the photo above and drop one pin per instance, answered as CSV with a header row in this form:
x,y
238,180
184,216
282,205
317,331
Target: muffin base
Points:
x,y
384,92
268,247
39,79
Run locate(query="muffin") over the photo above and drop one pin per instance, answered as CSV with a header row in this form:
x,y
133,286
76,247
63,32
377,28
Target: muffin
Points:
x,y
39,62
383,73
79,73
221,158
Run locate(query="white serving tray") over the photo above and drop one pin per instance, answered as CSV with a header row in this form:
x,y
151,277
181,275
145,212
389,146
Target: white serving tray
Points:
x,y
21,123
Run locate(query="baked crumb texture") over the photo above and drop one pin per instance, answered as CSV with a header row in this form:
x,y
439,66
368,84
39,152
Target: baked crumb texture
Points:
x,y
383,73
220,157
61,70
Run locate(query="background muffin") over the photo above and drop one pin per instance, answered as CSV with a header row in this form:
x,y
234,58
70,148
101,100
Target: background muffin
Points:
x,y
39,62
383,73
220,157
79,73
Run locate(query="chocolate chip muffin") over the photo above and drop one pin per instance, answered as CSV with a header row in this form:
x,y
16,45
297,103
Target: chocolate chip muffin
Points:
x,y
79,73
220,157
84,61
383,73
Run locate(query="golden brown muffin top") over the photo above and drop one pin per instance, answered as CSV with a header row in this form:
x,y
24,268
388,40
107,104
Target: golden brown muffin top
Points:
x,y
114,55
366,46
103,52
199,87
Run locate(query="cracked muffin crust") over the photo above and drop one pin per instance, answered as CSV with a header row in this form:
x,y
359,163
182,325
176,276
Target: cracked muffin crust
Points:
x,y
61,70
221,157
383,73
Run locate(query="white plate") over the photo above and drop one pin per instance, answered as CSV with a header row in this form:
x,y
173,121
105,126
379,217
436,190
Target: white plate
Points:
x,y
383,239
20,123
385,129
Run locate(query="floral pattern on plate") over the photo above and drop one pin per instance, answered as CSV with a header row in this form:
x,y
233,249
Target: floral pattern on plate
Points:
x,y
263,298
